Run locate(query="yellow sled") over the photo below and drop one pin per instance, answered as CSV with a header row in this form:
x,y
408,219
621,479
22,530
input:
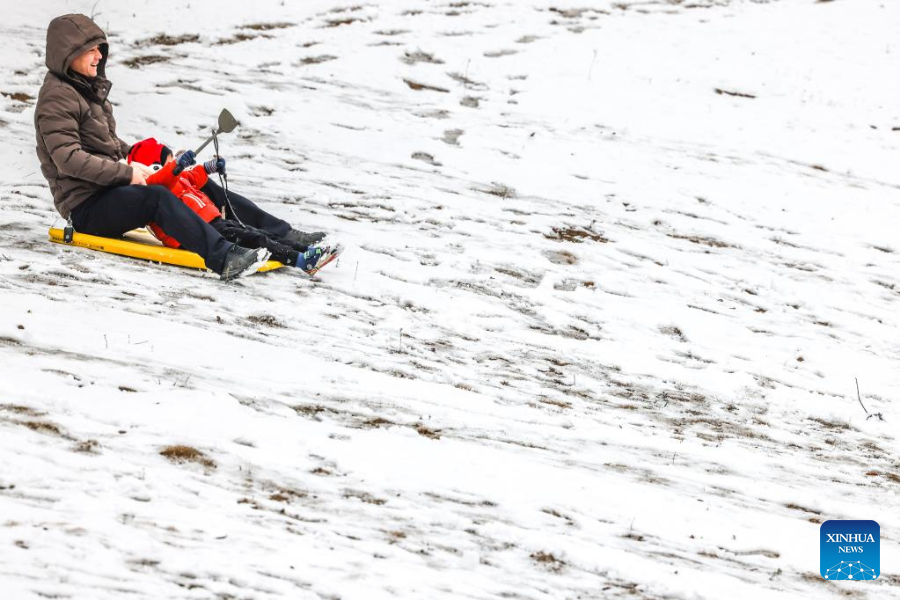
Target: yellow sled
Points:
x,y
139,243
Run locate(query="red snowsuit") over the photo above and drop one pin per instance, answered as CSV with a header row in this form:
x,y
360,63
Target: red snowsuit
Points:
x,y
186,185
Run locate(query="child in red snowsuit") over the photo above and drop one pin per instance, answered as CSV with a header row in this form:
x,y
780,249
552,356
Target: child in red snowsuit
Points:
x,y
186,185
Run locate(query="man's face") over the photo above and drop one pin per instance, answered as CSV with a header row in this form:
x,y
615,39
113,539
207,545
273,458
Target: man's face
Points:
x,y
86,64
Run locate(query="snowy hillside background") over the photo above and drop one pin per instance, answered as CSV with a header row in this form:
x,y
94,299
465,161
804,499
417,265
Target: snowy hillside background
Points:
x,y
613,268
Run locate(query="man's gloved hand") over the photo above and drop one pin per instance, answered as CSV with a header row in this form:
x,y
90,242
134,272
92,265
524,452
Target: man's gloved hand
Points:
x,y
186,159
215,165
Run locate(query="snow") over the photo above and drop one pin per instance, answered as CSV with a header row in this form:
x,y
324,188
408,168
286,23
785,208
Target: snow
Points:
x,y
607,290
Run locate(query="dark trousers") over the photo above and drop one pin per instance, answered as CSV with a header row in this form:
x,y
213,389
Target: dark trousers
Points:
x,y
247,212
250,237
121,209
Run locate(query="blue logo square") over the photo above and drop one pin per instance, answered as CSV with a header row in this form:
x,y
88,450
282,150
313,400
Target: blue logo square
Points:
x,y
850,550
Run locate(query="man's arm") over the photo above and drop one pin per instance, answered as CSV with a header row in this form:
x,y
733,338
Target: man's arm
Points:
x,y
124,146
59,129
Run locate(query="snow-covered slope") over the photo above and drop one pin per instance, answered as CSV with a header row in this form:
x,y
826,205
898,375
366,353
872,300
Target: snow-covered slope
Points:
x,y
613,268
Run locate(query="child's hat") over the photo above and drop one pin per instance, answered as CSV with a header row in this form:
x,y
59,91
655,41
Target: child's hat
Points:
x,y
149,151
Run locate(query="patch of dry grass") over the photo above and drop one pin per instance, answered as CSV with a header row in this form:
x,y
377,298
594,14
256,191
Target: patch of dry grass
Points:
x,y
180,454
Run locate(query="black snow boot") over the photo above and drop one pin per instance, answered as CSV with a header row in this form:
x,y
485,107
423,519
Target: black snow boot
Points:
x,y
242,261
303,238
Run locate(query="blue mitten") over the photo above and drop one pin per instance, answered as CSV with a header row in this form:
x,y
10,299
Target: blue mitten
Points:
x,y
187,159
215,165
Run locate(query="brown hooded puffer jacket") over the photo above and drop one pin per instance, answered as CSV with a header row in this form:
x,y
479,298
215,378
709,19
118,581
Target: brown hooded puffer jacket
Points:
x,y
76,133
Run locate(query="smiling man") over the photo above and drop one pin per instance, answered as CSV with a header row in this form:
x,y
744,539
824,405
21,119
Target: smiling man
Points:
x,y
77,145
87,63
